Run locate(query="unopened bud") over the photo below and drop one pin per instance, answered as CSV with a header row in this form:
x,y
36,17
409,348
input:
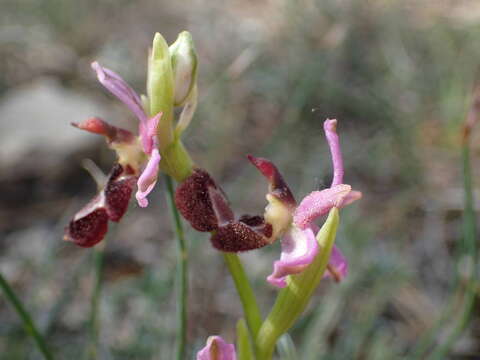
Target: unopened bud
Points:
x,y
184,65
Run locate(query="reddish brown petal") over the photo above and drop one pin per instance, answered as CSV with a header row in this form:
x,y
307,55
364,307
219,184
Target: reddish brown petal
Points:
x,y
118,192
257,223
88,230
278,187
193,201
220,206
237,236
112,133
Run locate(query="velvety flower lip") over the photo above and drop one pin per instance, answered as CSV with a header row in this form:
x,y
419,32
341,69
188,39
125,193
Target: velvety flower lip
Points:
x,y
299,248
192,199
217,349
231,235
90,224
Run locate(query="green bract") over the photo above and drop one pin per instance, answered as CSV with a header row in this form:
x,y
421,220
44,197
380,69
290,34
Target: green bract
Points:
x,y
160,89
293,299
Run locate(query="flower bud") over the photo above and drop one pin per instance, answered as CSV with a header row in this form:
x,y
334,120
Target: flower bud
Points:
x,y
184,65
160,88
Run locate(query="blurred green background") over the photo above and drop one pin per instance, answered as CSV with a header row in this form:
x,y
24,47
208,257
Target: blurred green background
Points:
x,y
398,75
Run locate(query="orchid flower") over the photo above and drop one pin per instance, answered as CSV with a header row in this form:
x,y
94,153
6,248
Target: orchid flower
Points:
x,y
147,128
299,246
204,205
217,349
171,82
138,161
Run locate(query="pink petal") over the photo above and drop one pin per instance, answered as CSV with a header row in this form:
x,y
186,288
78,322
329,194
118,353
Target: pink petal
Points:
x,y
337,264
330,127
222,210
299,248
118,87
148,133
148,179
217,349
319,203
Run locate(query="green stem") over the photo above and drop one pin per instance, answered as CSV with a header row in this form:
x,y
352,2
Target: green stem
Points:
x,y
182,273
245,291
94,320
27,320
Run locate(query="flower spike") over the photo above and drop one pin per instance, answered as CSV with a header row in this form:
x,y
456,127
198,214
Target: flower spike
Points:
x,y
217,349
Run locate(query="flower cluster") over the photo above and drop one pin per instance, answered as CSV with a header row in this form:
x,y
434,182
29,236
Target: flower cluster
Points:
x,y
138,155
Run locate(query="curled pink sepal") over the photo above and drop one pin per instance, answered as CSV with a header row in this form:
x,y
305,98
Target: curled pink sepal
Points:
x,y
217,349
119,87
299,248
147,180
319,203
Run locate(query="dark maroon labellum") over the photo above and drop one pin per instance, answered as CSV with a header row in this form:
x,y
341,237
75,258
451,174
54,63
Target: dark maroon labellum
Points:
x,y
237,236
89,225
257,223
193,201
118,192
88,230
